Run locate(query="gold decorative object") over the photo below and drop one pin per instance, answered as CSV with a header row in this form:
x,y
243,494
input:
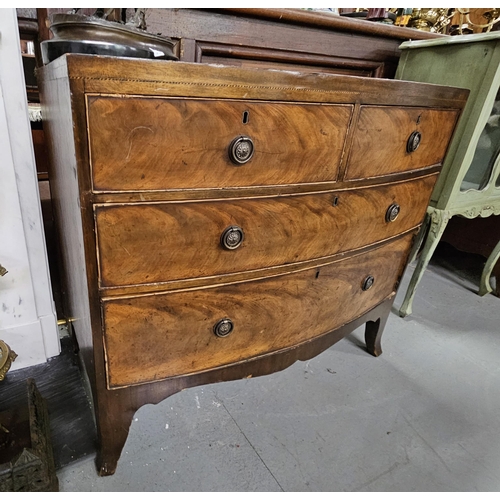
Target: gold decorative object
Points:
x,y
432,20
7,356
25,446
435,20
492,17
403,16
3,271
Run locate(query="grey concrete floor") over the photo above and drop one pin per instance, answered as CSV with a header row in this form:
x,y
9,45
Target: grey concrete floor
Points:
x,y
422,417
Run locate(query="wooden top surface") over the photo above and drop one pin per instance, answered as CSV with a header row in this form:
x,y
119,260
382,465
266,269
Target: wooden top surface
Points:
x,y
104,74
333,22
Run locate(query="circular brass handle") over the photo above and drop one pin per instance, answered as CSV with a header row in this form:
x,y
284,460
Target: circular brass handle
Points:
x,y
368,282
413,141
223,327
232,237
241,150
392,212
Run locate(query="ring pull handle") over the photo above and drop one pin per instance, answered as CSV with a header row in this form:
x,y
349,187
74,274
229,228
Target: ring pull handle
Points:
x,y
223,327
413,141
368,282
232,237
241,150
392,212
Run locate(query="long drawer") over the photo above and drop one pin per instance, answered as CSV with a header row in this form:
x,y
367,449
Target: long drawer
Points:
x,y
389,139
154,337
141,143
150,243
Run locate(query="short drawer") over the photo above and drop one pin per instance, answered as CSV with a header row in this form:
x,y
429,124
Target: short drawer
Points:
x,y
158,242
154,337
389,139
140,143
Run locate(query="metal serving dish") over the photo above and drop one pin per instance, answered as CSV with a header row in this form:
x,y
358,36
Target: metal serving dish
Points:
x,y
92,35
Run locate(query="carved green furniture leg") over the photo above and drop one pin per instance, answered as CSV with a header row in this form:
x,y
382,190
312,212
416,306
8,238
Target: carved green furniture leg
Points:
x,y
438,221
419,239
485,286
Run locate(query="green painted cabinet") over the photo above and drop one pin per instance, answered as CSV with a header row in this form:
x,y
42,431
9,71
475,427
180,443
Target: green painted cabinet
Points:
x,y
469,183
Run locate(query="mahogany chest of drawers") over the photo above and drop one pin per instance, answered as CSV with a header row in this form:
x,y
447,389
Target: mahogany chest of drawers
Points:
x,y
219,223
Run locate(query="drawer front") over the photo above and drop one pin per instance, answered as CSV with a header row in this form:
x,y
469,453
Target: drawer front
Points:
x,y
155,144
155,337
151,243
384,137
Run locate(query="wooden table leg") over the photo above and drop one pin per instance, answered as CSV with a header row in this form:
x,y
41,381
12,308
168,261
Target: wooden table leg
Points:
x,y
113,427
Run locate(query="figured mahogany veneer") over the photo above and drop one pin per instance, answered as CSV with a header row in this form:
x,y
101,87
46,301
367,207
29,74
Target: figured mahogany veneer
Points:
x,y
376,124
182,240
143,343
154,144
144,188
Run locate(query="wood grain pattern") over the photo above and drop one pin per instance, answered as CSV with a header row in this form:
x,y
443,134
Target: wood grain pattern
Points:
x,y
129,291
305,34
308,18
253,57
236,55
167,78
382,134
171,324
155,337
257,191
150,243
336,67
153,144
119,405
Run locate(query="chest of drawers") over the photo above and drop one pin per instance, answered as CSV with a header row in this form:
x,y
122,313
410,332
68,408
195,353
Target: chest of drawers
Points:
x,y
219,223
